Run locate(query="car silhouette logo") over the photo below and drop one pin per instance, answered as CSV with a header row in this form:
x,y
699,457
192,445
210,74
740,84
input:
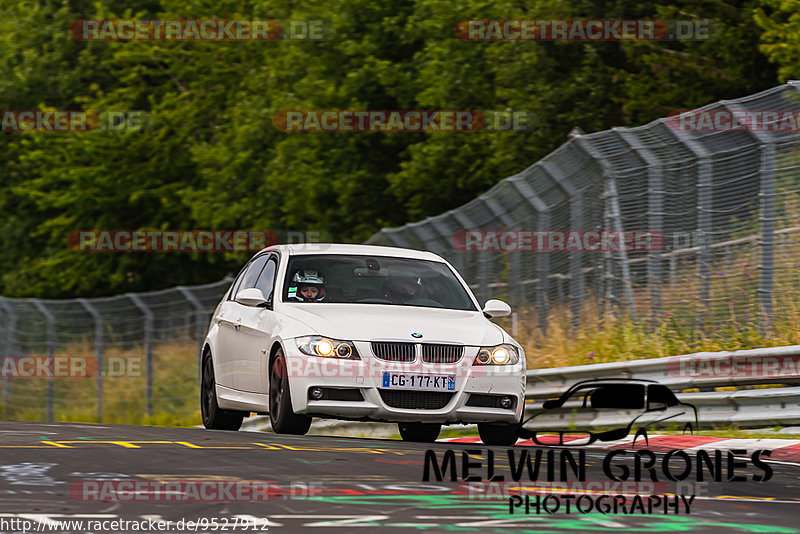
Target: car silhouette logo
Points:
x,y
615,407
416,335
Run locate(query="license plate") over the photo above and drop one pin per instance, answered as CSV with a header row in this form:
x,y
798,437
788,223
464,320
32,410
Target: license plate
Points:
x,y
421,382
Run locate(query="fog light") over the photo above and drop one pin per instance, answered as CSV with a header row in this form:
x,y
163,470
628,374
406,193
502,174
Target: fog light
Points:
x,y
506,402
316,393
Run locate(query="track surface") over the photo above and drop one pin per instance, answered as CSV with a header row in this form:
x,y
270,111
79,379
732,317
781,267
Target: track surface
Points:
x,y
362,485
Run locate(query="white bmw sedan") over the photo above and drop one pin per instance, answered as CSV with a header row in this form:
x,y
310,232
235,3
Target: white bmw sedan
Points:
x,y
361,333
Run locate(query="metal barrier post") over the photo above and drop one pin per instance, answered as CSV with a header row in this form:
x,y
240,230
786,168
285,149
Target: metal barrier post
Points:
x,y
575,199
704,207
766,221
51,349
200,328
148,346
99,349
655,217
542,260
8,349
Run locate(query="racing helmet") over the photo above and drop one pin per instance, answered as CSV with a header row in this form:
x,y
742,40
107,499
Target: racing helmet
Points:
x,y
308,278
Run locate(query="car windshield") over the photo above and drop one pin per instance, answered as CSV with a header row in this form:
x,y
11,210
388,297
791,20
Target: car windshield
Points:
x,y
374,280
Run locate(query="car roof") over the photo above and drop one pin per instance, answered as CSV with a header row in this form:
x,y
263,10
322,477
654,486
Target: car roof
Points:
x,y
342,248
596,382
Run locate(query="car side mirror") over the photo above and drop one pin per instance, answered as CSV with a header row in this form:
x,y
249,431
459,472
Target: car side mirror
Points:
x,y
496,308
550,404
252,296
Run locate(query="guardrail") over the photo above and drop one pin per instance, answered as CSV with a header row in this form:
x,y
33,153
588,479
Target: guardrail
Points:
x,y
777,367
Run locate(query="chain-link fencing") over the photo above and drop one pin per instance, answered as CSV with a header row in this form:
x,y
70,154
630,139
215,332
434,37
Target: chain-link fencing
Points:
x,y
721,204
126,358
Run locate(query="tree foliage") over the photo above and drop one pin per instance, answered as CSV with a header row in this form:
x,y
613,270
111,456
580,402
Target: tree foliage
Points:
x,y
212,158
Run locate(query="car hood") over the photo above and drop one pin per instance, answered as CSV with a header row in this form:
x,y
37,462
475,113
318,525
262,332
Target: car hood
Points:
x,y
367,322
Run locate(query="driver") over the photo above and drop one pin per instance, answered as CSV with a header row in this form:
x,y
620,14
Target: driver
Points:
x,y
310,285
401,289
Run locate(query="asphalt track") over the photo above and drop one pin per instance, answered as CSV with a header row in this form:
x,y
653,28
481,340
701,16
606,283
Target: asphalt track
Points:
x,y
357,485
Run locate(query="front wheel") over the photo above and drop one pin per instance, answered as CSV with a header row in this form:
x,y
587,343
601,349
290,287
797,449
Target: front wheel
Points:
x,y
422,432
215,418
281,415
503,435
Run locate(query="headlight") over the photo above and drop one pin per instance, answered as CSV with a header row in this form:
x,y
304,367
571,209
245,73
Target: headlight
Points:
x,y
499,355
327,348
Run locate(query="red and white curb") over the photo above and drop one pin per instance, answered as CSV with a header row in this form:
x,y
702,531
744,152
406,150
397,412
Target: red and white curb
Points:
x,y
782,449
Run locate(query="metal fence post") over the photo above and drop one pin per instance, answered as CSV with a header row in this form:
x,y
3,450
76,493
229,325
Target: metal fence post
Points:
x,y
514,270
200,328
3,354
148,346
542,259
575,263
574,197
704,229
467,224
622,256
655,217
610,213
767,223
51,349
704,182
8,349
99,349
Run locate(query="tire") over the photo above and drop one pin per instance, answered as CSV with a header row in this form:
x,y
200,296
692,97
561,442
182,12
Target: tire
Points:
x,y
281,414
503,435
422,432
215,418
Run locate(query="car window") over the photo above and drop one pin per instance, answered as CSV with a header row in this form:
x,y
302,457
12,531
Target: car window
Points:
x,y
661,394
363,279
251,274
237,283
619,396
266,280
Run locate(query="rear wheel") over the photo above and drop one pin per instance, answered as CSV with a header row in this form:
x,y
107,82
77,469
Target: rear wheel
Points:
x,y
214,417
504,435
281,415
422,432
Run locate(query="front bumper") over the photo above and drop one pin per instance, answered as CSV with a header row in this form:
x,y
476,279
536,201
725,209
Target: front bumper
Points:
x,y
365,375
